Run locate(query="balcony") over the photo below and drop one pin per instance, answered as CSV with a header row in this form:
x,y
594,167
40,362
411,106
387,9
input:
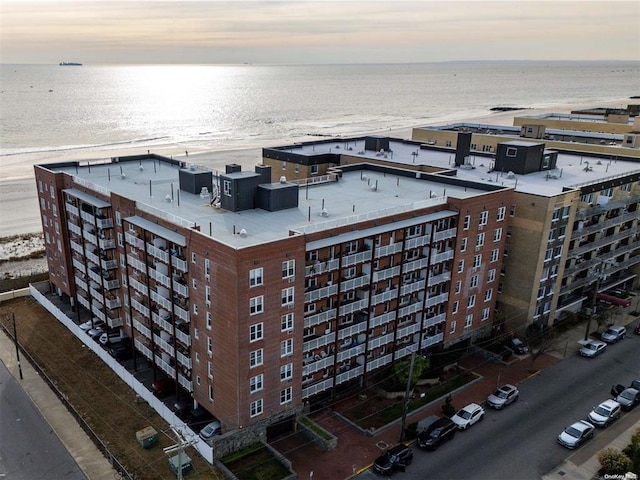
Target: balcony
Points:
x,y
181,313
142,348
416,242
350,353
92,257
379,362
388,249
409,309
134,241
414,265
441,257
113,303
169,370
317,388
158,253
354,307
74,228
445,234
352,330
184,360
185,382
72,209
90,237
181,289
380,341
436,279
183,338
318,363
432,301
407,330
104,222
137,264
318,342
140,327
81,283
114,322
429,322
356,258
386,273
140,307
319,293
138,286
95,276
179,263
428,341
160,300
109,264
349,374
76,247
361,281
111,284
96,295
84,302
98,312
412,287
321,267
382,319
166,346
107,243
384,296
87,217
159,277
318,318
165,325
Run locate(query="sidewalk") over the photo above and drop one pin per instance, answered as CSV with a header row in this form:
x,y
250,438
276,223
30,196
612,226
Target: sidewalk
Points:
x,y
356,452
90,460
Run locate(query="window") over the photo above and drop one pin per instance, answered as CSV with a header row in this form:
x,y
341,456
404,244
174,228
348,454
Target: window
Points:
x,y
314,169
494,255
491,276
552,234
512,211
566,211
196,334
209,346
461,266
118,219
607,192
194,283
296,168
289,269
256,408
120,240
284,165
548,254
471,301
209,321
467,221
351,247
477,260
286,372
468,320
256,383
511,152
463,244
447,143
480,240
286,347
226,185
474,282
458,286
488,294
484,218
256,332
55,210
557,212
287,296
52,191
256,305
501,213
588,198
211,393
557,252
285,395
453,326
255,358
286,322
455,307
554,271
207,269
497,235
210,369
562,232
485,314
414,231
195,309
207,295
193,257
255,277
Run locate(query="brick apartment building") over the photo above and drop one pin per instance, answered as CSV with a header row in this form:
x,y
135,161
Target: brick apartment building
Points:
x,y
259,295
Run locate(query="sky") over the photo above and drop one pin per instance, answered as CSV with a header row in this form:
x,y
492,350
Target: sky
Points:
x,y
316,32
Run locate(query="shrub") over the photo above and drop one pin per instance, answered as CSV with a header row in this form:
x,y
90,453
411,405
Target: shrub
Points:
x,y
633,451
613,462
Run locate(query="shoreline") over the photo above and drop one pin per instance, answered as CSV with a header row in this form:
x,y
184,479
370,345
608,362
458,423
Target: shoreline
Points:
x,y
19,211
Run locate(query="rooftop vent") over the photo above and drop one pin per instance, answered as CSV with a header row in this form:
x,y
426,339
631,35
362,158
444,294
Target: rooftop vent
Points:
x,y
283,179
141,168
243,233
192,167
324,212
511,175
167,198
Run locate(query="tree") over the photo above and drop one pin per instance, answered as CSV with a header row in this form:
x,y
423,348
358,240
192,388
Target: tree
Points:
x,y
613,462
401,369
633,451
541,339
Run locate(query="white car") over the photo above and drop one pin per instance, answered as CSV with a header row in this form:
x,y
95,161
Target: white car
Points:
x,y
605,413
468,415
503,396
592,348
574,435
613,334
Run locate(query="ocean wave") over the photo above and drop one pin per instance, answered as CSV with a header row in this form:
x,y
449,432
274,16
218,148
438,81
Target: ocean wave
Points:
x,y
72,148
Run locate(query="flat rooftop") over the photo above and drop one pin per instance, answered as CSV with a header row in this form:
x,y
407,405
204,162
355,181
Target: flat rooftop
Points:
x,y
572,170
357,196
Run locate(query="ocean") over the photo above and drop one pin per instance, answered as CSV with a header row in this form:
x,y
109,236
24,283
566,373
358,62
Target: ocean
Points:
x,y
95,108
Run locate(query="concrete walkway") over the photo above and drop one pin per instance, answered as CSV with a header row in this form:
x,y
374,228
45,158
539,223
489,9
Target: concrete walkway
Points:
x,y
90,460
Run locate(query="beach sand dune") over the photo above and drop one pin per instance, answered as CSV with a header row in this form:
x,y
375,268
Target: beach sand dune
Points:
x,y
19,211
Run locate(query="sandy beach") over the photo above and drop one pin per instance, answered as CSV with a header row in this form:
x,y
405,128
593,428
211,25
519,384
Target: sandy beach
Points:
x,y
19,212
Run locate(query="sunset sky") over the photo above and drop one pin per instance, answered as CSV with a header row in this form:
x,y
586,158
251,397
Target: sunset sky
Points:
x,y
301,31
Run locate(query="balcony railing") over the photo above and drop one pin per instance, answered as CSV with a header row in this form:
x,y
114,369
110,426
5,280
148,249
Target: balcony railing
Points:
x,y
109,264
318,318
140,327
428,341
111,284
181,313
443,277
321,267
84,302
166,346
113,303
90,237
87,217
138,286
184,338
382,319
142,348
160,300
166,326
137,264
384,296
114,322
354,306
74,228
181,289
76,247
159,277
158,253
349,375
386,273
131,239
185,382
169,370
183,359
322,362
317,388
319,293
319,342
104,222
72,209
388,249
81,283
356,258
140,307
107,243
380,341
179,263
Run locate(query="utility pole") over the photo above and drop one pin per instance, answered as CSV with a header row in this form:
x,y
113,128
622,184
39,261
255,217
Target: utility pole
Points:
x,y
15,340
179,447
405,404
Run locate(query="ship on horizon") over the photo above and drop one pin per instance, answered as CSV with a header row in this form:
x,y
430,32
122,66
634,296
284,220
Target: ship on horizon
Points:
x,y
70,64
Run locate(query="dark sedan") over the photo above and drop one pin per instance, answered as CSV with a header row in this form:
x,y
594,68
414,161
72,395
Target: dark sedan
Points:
x,y
396,458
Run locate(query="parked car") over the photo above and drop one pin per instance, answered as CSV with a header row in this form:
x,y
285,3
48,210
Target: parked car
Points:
x,y
468,415
181,408
112,338
503,396
635,384
163,387
517,346
93,323
396,458
198,418
440,431
605,413
613,334
617,390
592,348
95,333
211,430
628,398
120,352
574,435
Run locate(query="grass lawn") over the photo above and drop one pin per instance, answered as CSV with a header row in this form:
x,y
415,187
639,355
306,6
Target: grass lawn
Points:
x,y
255,463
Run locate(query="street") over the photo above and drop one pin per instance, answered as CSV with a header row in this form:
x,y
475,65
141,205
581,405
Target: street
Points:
x,y
520,441
29,448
